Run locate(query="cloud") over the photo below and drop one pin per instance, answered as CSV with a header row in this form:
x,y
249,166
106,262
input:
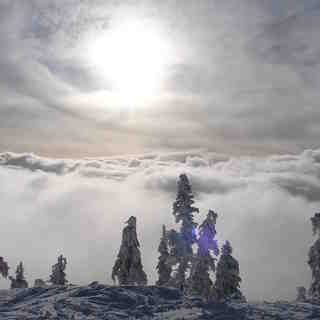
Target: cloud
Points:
x,y
211,172
237,81
78,207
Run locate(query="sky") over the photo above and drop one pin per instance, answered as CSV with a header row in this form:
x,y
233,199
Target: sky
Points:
x,y
231,77
104,103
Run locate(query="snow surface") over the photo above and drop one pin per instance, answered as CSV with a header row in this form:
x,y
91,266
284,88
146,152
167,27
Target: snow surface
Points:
x,y
98,301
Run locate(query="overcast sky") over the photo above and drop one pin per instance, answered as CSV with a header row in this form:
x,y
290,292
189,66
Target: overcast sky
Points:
x,y
241,77
227,91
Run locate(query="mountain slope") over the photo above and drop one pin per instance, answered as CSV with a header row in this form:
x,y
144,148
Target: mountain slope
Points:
x,y
98,301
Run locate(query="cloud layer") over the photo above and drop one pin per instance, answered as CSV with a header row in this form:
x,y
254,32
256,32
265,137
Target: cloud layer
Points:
x,y
78,207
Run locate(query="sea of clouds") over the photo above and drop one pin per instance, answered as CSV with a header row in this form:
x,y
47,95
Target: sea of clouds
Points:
x,y
78,207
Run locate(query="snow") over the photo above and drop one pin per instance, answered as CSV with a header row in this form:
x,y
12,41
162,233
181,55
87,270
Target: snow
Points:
x,y
98,301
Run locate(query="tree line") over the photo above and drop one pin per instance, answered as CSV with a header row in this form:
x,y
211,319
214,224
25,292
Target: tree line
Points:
x,y
57,276
179,265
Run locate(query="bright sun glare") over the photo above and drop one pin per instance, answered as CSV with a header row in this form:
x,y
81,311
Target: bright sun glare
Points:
x,y
132,56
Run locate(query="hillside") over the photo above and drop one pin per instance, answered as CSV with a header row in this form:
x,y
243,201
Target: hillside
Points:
x,y
98,301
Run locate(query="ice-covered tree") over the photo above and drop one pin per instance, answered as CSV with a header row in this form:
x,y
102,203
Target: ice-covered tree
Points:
x,y
163,267
228,279
39,283
58,275
200,282
183,212
19,281
4,268
314,259
301,294
181,243
128,267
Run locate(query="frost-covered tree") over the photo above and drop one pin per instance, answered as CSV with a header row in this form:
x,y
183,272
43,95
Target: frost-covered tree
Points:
x,y
58,275
39,283
228,279
314,259
176,260
181,243
19,281
128,267
183,212
163,267
4,268
200,282
301,294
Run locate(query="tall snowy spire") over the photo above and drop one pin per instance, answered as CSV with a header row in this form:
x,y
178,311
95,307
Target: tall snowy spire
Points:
x,y
128,267
181,243
183,211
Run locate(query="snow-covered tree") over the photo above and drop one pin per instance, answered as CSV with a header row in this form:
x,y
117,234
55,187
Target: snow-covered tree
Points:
x,y
181,243
200,282
301,294
4,268
19,281
163,267
314,259
183,212
176,259
39,283
128,267
58,275
228,279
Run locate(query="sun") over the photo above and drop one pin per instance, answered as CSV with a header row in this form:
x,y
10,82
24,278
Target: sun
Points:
x,y
132,56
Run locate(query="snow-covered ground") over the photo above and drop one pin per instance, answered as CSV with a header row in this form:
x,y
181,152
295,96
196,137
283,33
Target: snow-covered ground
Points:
x,y
98,301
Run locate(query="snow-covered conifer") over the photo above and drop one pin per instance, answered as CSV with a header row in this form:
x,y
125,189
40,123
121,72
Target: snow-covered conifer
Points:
x,y
228,280
314,260
19,281
128,267
4,268
58,275
200,282
301,294
163,267
39,283
183,212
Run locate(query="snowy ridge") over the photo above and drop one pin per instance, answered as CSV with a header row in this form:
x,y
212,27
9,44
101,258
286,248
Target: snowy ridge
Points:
x,y
98,301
